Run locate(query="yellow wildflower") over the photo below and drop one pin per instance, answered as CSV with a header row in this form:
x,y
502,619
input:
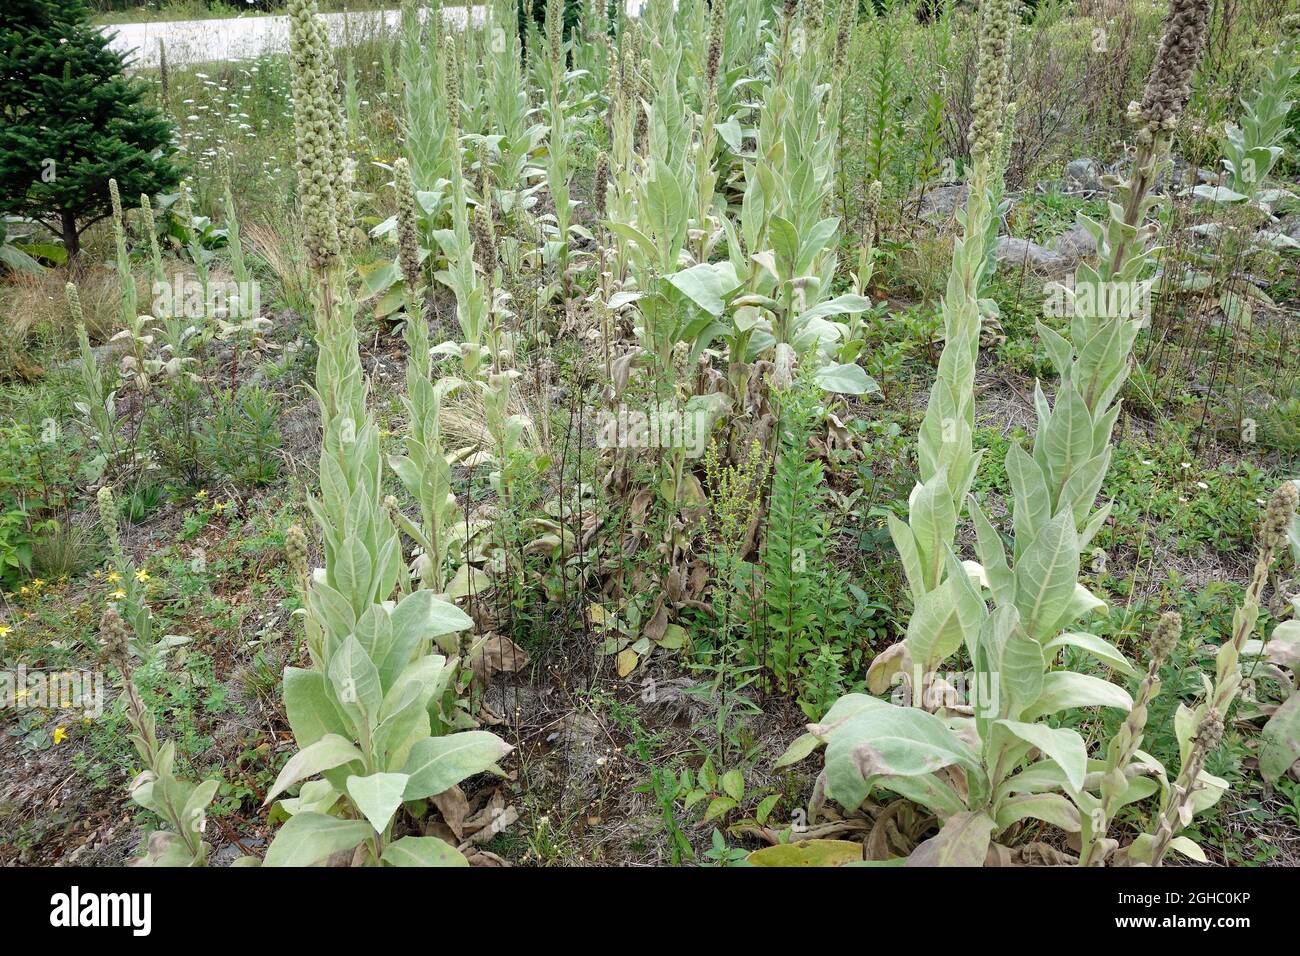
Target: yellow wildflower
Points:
x,y
142,575
118,594
5,630
112,577
60,735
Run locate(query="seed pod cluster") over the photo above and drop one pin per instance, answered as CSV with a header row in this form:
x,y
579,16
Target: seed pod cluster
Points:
x,y
1170,82
1165,637
1278,513
317,133
992,77
408,242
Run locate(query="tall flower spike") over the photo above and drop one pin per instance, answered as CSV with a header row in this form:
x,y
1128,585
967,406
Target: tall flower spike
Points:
x,y
150,224
314,135
408,242
74,305
116,199
717,27
1170,82
555,32
602,184
1278,514
997,23
485,244
108,520
114,638
1166,635
451,81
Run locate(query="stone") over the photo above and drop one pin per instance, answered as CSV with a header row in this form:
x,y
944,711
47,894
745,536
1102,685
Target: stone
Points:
x,y
1083,175
1021,253
940,204
1075,243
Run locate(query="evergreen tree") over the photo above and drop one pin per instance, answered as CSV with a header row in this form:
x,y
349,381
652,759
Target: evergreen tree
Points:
x,y
70,120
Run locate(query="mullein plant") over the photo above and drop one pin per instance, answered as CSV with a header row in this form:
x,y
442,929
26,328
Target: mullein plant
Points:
x,y
370,715
473,308
424,469
135,326
945,448
127,587
96,400
1251,151
559,162
428,141
1120,779
705,233
239,319
179,803
156,271
514,139
623,106
781,254
986,763
182,329
1199,729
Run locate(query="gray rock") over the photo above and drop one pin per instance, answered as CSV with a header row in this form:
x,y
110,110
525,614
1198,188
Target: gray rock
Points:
x,y
111,350
1083,175
1075,243
940,204
1021,253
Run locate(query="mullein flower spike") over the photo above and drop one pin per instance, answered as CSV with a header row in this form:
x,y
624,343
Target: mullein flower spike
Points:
x,y
1170,82
997,25
408,240
314,135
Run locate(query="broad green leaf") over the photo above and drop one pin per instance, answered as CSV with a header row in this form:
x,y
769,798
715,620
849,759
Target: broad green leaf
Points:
x,y
420,616
1063,690
422,851
848,379
309,705
1014,661
719,807
706,284
1189,848
1046,575
898,741
962,841
733,784
437,764
378,796
311,837
1033,504
1064,746
1104,651
356,680
808,853
327,753
1280,740
1049,807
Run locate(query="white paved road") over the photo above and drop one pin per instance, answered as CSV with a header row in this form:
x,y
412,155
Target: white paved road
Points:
x,y
243,38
